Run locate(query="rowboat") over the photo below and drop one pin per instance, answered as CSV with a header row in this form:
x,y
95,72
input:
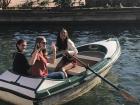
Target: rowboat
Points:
x,y
23,90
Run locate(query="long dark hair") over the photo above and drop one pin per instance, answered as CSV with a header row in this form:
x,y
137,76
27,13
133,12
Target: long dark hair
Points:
x,y
62,45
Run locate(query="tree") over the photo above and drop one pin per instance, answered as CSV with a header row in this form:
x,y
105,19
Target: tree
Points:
x,y
43,3
63,3
4,3
27,4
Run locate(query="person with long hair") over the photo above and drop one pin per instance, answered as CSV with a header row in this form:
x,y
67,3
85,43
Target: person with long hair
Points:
x,y
66,45
40,61
20,63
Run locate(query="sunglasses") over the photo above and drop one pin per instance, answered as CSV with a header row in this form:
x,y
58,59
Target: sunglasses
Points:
x,y
44,42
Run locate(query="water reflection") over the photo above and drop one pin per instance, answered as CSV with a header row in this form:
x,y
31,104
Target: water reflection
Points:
x,y
125,72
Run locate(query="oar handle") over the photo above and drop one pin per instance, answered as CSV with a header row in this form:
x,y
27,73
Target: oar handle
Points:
x,y
85,65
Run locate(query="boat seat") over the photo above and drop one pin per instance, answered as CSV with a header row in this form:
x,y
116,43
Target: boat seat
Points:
x,y
89,58
77,70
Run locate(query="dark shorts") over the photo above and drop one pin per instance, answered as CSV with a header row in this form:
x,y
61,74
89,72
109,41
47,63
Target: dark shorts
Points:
x,y
67,60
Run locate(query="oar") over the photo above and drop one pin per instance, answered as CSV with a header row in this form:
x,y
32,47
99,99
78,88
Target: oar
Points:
x,y
123,92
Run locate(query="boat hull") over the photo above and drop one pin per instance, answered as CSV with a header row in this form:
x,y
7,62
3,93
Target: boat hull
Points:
x,y
60,98
75,92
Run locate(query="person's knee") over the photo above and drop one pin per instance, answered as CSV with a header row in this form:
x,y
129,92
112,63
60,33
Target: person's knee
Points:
x,y
68,66
62,75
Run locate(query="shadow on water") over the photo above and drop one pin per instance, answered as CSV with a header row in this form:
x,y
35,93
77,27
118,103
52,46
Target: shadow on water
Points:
x,y
124,73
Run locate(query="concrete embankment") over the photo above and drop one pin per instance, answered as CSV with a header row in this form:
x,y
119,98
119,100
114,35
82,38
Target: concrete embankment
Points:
x,y
84,15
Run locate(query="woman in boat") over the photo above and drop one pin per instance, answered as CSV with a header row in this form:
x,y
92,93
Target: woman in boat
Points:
x,y
40,61
65,44
20,63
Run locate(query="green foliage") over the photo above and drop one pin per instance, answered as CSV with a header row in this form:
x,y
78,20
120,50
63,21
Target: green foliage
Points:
x,y
63,3
27,4
43,3
4,3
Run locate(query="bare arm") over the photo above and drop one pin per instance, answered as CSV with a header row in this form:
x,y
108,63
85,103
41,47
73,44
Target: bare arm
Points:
x,y
53,56
33,58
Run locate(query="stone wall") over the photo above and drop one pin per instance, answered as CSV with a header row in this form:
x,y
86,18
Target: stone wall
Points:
x,y
92,15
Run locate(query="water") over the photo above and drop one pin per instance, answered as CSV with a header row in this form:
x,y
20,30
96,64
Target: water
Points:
x,y
125,72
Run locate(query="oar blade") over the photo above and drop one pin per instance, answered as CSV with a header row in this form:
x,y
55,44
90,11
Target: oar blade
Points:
x,y
128,97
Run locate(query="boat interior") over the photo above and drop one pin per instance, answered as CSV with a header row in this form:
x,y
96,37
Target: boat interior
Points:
x,y
90,56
